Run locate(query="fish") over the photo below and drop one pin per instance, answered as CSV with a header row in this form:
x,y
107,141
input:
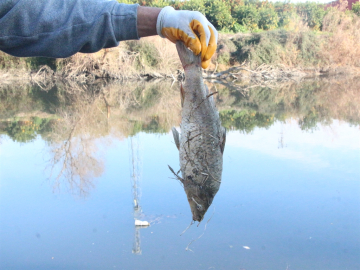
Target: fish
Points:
x,y
201,141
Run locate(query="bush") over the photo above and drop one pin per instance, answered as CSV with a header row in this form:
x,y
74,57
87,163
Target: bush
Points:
x,y
342,43
286,12
356,8
34,63
266,47
236,28
312,13
268,18
197,5
27,130
156,3
128,1
218,13
149,55
310,121
248,16
31,63
245,120
309,47
225,50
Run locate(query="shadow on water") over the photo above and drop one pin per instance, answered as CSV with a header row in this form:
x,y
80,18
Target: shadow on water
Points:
x,y
72,117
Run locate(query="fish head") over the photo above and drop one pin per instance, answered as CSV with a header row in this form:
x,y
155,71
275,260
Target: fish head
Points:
x,y
199,198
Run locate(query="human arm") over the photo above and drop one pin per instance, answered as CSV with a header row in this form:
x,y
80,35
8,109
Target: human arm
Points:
x,y
59,29
146,22
54,28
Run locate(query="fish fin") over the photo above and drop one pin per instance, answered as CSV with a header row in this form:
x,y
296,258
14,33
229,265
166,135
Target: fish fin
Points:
x,y
222,144
182,95
176,137
187,57
177,176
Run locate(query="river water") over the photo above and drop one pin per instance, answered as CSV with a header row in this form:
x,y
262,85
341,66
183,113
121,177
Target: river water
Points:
x,y
75,158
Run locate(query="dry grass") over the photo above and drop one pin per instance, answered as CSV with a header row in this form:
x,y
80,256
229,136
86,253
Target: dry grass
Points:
x,y
296,46
342,47
129,59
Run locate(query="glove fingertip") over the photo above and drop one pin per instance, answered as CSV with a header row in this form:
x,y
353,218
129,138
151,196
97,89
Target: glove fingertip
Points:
x,y
205,64
193,43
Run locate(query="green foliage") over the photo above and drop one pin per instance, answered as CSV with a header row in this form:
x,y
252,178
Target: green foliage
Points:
x,y
147,97
245,120
225,49
152,127
356,8
149,55
268,17
238,28
310,121
7,61
128,1
224,58
312,13
34,63
309,46
27,130
247,16
286,12
274,47
157,3
261,48
196,5
218,13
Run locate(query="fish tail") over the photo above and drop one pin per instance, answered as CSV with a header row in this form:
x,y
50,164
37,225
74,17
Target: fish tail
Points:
x,y
187,57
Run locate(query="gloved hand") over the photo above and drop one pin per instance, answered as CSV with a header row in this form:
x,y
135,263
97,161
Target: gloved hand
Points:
x,y
192,28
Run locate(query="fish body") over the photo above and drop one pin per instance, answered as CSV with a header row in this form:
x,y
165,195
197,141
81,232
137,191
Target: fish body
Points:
x,y
202,140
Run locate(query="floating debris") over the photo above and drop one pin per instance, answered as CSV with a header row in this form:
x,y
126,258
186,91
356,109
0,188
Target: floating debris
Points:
x,y
141,223
246,247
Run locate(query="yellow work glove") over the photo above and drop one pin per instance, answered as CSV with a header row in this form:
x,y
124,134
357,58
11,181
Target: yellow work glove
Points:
x,y
192,28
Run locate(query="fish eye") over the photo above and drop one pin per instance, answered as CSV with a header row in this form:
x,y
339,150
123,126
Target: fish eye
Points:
x,y
199,207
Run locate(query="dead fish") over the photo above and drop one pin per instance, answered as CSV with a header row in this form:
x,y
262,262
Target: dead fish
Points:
x,y
202,140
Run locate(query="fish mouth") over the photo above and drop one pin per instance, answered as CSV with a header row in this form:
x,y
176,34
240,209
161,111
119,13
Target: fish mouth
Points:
x,y
198,212
198,205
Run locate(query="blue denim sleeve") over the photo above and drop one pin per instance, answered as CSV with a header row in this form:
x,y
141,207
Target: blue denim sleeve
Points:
x,y
60,28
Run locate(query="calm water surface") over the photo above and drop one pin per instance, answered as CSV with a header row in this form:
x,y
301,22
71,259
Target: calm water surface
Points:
x,y
289,198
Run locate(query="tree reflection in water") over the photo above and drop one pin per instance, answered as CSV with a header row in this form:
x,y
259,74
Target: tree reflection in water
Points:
x,y
73,118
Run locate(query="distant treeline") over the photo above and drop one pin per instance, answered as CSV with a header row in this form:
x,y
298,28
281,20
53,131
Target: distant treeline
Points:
x,y
252,15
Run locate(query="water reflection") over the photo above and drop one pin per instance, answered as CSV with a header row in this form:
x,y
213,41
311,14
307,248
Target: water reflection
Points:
x,y
310,101
73,117
290,195
127,108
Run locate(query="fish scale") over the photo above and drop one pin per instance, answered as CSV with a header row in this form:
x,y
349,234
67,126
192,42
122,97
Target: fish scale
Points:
x,y
202,139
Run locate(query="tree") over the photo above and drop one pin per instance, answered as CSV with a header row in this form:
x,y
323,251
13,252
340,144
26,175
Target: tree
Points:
x,y
248,16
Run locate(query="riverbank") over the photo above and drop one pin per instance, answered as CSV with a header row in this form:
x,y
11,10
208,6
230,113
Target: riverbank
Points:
x,y
280,54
